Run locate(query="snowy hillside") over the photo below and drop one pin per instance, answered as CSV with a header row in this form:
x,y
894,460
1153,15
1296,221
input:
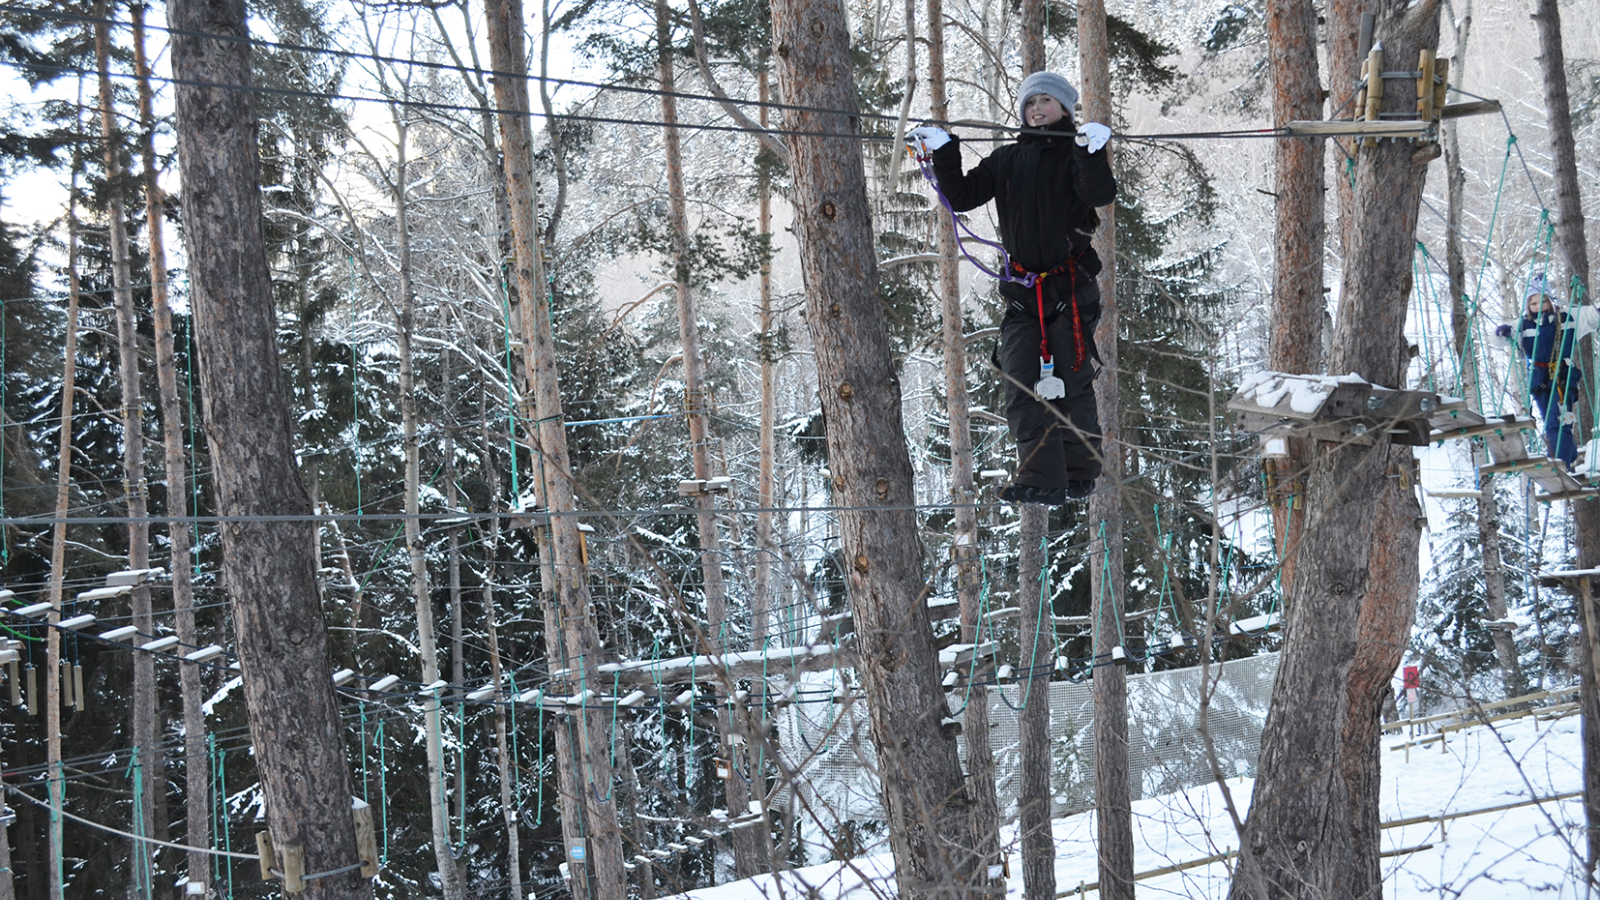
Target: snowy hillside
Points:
x,y
1523,851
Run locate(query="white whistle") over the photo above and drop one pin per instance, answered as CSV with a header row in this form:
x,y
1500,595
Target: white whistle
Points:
x,y
1049,387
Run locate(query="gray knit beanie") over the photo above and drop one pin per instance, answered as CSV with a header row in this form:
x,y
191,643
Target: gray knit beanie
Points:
x,y
1046,83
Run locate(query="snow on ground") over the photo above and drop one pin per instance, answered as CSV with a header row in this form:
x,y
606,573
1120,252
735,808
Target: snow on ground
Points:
x,y
1530,851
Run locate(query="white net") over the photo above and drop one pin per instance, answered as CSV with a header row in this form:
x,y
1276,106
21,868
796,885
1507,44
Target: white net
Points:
x,y
826,743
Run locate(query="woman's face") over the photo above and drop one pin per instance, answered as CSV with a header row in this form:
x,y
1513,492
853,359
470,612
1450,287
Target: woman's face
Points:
x,y
1041,110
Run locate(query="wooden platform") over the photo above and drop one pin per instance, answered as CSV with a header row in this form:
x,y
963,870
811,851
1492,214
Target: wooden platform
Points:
x,y
1347,409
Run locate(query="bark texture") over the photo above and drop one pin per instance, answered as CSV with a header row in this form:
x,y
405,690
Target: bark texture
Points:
x,y
1300,839
1032,25
55,776
1113,787
586,779
196,769
924,796
450,875
1037,644
1382,634
268,568
697,403
143,710
1295,338
981,788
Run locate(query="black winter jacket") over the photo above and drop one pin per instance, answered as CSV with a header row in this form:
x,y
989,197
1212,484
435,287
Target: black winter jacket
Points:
x,y
1045,189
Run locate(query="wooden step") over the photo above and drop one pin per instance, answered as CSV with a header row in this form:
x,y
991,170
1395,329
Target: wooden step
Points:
x,y
1519,465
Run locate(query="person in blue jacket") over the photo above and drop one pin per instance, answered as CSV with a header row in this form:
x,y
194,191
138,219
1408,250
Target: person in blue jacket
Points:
x,y
1547,336
1045,188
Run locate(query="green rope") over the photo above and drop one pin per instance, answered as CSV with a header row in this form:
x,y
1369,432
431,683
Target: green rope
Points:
x,y
365,795
1164,545
142,874
58,802
511,403
978,632
1039,621
219,808
1105,581
1422,277
1494,215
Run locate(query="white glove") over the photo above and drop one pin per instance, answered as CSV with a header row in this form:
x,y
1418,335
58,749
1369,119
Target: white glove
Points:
x,y
1093,135
925,139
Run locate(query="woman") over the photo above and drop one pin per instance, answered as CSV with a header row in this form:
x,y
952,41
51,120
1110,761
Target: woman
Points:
x,y
1547,336
1045,187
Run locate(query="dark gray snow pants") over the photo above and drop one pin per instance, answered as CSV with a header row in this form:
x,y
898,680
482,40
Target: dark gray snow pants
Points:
x,y
1057,440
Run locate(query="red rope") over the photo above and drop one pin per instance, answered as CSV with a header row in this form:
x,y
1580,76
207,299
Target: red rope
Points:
x,y
1044,335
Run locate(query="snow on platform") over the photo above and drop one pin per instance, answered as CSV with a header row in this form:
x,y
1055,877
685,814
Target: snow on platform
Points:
x,y
716,666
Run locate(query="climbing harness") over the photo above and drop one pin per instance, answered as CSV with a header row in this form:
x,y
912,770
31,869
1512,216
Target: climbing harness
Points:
x,y
1048,387
1046,361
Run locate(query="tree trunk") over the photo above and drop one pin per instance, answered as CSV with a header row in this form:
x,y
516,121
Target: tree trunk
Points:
x,y
1032,25
1113,791
142,711
1295,341
697,404
1300,838
55,775
196,771
450,881
924,800
1494,575
1037,647
458,660
589,812
509,803
1569,225
981,788
268,571
761,601
1382,634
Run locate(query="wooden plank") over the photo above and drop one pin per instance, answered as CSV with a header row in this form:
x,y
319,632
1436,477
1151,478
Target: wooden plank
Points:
x,y
780,661
1526,464
1495,425
1587,493
1475,108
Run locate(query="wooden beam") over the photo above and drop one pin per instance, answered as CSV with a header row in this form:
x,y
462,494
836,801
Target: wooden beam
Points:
x,y
1475,108
1396,129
